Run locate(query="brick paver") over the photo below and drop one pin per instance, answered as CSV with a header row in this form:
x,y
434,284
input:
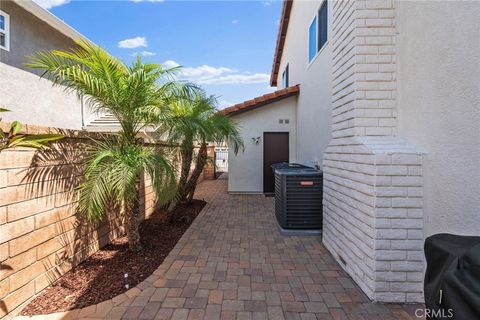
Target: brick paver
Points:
x,y
233,263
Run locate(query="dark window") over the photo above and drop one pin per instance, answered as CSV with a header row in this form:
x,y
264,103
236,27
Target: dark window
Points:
x,y
4,31
285,77
322,25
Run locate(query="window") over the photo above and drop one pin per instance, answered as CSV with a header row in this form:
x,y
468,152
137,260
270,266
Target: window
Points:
x,y
312,39
4,31
318,31
285,77
322,25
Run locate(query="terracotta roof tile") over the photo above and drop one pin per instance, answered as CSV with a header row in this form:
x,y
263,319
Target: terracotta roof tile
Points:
x,y
282,34
261,100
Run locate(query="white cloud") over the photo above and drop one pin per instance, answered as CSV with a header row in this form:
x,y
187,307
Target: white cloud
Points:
x,y
270,89
224,103
144,54
206,74
148,54
170,64
238,79
235,21
266,3
47,4
133,43
147,0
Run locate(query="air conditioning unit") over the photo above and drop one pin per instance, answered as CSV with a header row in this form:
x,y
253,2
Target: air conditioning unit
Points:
x,y
298,197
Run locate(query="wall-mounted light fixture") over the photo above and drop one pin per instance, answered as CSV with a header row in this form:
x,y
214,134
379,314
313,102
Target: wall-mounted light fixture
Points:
x,y
256,140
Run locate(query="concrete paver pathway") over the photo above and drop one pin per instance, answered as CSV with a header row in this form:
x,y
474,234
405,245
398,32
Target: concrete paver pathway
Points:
x,y
233,263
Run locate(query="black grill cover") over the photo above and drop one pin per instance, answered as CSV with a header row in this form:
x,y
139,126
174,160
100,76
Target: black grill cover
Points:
x,y
453,266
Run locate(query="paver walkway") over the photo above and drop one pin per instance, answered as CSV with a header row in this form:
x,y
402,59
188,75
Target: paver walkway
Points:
x,y
234,264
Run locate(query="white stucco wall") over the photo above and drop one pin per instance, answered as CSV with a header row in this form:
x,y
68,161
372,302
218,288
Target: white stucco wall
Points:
x,y
245,170
34,101
314,102
439,107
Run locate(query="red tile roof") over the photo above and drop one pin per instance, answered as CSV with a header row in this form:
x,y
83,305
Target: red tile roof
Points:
x,y
282,34
262,100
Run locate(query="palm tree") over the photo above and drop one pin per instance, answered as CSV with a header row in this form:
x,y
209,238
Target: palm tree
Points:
x,y
220,129
196,121
136,95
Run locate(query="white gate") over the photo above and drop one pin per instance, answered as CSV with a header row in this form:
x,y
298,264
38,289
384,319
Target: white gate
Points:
x,y
221,160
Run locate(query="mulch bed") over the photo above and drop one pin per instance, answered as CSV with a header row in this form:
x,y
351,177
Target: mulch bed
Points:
x,y
101,276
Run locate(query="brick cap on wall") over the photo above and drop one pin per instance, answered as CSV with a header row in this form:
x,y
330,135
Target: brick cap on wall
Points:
x,y
70,133
380,144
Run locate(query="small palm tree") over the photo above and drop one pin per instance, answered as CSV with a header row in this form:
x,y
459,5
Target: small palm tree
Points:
x,y
113,173
196,121
136,95
220,129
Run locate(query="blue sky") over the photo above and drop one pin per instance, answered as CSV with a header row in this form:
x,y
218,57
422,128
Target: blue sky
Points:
x,y
225,46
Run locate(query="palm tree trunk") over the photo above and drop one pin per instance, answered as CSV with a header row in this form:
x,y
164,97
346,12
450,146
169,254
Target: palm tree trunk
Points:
x,y
132,223
187,157
192,182
132,214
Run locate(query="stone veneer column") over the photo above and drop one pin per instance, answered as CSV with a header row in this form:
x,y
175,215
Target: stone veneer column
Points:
x,y
372,201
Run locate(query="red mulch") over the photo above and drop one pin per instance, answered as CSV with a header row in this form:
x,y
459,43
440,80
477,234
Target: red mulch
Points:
x,y
101,276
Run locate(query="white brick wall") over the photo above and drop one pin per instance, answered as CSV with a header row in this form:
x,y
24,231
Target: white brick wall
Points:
x,y
373,184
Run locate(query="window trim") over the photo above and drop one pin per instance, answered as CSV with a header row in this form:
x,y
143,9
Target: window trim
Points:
x,y
318,50
6,31
286,76
324,3
314,19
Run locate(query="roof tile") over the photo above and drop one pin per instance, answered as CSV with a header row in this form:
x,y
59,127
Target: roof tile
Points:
x,y
282,34
262,100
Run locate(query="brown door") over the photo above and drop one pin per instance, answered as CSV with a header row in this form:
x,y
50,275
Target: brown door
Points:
x,y
275,149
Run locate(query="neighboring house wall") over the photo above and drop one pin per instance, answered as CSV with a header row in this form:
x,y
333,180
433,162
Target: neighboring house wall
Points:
x,y
439,107
33,100
29,34
246,168
314,102
41,235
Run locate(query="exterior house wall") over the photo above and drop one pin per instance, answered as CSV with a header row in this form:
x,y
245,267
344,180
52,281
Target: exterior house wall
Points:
x,y
439,107
41,236
246,168
373,183
30,99
314,102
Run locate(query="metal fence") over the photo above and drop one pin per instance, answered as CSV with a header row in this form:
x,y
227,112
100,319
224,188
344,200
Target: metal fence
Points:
x,y
221,160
